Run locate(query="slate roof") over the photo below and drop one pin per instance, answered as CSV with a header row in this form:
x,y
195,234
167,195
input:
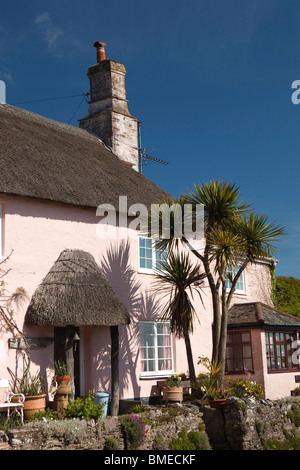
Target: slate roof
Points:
x,y
47,159
259,314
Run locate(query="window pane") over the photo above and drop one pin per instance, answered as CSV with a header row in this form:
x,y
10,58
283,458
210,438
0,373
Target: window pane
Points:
x,y
145,253
160,256
239,352
155,346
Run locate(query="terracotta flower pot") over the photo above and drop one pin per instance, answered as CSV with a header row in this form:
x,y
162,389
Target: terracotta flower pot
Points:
x,y
217,403
63,382
173,394
33,404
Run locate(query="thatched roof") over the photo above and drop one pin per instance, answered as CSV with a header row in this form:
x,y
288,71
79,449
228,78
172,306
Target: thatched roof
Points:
x,y
259,314
47,159
75,292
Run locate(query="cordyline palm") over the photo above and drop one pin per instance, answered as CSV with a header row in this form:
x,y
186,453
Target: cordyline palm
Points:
x,y
234,235
177,279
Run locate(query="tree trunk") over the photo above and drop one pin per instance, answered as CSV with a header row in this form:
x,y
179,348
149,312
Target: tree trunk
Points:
x,y
70,359
115,387
189,355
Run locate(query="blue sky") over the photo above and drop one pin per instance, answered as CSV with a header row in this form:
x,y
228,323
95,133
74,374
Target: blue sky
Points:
x,y
211,81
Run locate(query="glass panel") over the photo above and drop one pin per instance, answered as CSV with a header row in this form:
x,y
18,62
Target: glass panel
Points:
x,y
246,351
237,338
246,337
238,351
229,353
149,263
151,353
238,365
151,366
160,353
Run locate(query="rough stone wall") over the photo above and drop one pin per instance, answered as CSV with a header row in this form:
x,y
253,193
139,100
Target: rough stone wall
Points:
x,y
247,424
81,435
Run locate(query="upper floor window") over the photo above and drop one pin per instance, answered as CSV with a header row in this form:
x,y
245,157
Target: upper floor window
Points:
x,y
239,352
150,257
279,349
230,274
156,352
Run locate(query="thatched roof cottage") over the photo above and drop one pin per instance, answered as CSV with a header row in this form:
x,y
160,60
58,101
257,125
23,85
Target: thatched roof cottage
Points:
x,y
88,274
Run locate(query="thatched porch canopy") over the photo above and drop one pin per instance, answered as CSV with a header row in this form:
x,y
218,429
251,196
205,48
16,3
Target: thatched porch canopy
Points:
x,y
76,293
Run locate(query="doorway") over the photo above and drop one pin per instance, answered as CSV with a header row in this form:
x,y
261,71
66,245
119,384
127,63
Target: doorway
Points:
x,y
67,349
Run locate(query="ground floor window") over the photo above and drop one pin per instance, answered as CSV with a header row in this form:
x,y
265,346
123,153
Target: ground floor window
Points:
x,y
280,349
239,352
156,352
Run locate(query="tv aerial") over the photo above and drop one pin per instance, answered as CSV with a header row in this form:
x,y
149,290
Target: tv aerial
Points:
x,y
144,158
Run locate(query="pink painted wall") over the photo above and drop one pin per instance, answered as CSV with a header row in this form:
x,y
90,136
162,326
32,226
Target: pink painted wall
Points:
x,y
38,232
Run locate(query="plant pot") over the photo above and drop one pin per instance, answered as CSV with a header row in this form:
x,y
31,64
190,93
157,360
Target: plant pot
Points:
x,y
63,382
217,403
33,404
172,394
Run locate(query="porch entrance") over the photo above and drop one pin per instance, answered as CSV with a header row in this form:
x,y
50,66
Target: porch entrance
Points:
x,y
67,349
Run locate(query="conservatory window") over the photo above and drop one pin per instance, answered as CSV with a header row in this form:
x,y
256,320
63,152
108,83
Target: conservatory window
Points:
x,y
156,352
279,349
239,352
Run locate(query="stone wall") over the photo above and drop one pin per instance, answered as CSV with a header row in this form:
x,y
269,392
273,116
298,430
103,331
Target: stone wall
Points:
x,y
240,425
249,423
167,421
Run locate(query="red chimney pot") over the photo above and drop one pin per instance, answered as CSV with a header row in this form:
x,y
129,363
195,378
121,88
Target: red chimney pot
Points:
x,y
100,51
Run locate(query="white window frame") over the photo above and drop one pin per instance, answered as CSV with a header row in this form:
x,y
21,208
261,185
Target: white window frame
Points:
x,y
154,257
156,373
241,279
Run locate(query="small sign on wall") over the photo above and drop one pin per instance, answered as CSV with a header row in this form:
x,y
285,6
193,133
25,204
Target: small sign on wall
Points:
x,y
34,343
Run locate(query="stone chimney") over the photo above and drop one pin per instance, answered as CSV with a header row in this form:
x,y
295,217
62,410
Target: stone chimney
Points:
x,y
108,115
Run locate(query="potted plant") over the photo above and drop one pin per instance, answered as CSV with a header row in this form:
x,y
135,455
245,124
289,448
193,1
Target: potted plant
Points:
x,y
60,386
217,397
32,387
209,384
172,390
62,375
295,392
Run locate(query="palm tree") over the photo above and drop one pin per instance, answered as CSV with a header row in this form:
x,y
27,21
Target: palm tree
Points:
x,y
234,235
177,279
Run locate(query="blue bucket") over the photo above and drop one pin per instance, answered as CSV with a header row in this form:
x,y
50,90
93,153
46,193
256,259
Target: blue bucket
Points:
x,y
102,397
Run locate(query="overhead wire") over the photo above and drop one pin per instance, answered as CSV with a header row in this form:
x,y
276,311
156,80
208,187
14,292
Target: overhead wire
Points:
x,y
50,99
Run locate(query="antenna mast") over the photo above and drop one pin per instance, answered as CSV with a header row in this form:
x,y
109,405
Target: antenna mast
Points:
x,y
143,157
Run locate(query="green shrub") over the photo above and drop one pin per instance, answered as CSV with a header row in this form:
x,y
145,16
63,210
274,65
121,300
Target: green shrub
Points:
x,y
48,415
134,431
110,444
69,431
292,443
194,440
11,422
242,388
84,408
199,439
159,443
294,415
